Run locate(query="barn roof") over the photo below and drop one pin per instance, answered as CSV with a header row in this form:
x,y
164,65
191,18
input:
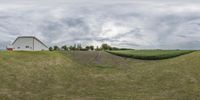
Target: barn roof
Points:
x,y
29,37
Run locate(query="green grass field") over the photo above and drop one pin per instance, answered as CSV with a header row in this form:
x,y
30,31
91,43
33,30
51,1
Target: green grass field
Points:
x,y
97,76
150,54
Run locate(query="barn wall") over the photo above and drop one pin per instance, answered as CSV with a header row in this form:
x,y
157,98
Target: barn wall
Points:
x,y
39,46
34,45
22,43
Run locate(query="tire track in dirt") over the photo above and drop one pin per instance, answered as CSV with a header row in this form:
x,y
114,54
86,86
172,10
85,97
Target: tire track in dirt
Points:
x,y
100,58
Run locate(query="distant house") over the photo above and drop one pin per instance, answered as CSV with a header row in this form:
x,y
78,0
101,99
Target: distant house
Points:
x,y
28,43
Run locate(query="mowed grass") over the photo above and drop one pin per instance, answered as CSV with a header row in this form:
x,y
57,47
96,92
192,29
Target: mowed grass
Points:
x,y
97,76
150,54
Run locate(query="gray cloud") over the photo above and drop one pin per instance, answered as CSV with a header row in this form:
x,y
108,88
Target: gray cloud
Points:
x,y
137,24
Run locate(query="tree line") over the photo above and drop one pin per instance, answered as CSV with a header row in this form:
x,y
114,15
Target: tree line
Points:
x,y
78,47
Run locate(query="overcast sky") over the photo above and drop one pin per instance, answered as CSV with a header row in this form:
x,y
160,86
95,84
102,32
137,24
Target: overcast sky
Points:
x,y
140,24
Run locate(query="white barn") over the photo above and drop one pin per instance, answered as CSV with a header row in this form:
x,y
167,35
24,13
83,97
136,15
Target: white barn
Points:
x,y
28,43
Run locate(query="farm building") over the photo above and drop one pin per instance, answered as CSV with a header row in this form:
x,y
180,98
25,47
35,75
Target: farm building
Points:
x,y
28,43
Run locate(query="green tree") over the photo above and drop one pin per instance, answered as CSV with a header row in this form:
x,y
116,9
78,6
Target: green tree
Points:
x,y
105,47
56,48
71,48
64,47
87,47
115,48
50,49
91,47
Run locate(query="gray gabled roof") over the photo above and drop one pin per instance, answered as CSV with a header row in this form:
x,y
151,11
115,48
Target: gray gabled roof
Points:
x,y
29,37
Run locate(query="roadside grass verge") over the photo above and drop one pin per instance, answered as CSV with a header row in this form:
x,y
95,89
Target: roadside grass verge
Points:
x,y
150,54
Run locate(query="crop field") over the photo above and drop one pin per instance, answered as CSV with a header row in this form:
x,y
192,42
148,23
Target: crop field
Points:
x,y
150,54
97,75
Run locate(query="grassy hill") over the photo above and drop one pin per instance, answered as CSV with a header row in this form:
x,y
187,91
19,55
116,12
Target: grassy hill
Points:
x,y
97,76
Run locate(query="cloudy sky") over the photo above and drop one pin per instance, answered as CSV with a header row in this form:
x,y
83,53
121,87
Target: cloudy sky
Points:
x,y
140,24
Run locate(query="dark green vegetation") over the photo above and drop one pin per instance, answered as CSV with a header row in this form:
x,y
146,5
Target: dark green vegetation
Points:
x,y
150,54
78,47
97,76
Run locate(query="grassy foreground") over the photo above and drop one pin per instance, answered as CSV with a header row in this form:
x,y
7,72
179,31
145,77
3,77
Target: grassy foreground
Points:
x,y
97,76
150,54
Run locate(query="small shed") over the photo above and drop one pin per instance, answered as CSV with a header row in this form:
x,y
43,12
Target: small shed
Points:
x,y
9,48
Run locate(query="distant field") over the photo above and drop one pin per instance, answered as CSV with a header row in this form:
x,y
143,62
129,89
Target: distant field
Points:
x,y
150,54
84,75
